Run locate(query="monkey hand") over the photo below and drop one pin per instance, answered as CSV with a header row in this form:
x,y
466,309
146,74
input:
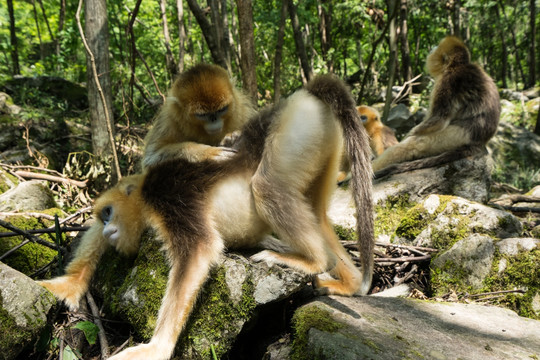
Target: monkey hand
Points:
x,y
67,289
267,256
144,352
221,153
231,139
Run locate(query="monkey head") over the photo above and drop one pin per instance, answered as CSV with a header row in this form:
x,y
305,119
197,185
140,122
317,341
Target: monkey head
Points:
x,y
120,212
370,117
450,52
206,97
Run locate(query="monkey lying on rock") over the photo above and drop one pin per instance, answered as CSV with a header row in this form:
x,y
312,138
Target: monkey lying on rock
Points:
x,y
280,181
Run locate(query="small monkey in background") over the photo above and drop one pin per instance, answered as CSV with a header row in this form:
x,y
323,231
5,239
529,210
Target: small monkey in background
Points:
x,y
199,209
381,137
463,114
201,107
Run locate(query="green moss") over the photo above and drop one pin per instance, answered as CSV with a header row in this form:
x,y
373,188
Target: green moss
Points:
x,y
389,214
31,256
522,272
452,233
306,318
345,233
449,277
215,316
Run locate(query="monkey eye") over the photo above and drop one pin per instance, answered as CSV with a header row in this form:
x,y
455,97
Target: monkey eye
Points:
x,y
223,110
363,118
106,214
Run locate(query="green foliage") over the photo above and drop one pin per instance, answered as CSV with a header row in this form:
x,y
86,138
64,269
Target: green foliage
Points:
x,y
89,329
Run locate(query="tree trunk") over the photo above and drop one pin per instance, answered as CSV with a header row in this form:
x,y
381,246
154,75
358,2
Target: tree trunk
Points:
x,y
97,35
61,21
392,11
324,10
307,71
456,21
181,35
247,47
504,55
13,39
209,34
532,46
41,47
403,36
279,51
169,58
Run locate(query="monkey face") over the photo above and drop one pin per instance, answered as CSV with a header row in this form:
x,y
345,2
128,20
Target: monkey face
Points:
x,y
213,121
120,212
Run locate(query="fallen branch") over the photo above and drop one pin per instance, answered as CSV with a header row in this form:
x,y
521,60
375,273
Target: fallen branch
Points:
x,y
104,345
520,291
40,176
404,259
29,236
63,229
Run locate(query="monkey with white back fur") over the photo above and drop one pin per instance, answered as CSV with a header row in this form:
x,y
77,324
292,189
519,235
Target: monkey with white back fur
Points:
x,y
463,114
270,186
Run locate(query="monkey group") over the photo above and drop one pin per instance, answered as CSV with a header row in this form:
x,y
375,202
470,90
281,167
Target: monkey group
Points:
x,y
202,198
268,187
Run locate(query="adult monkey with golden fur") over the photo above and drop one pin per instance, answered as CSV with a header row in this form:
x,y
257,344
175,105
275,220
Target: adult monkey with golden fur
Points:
x,y
200,208
463,114
201,107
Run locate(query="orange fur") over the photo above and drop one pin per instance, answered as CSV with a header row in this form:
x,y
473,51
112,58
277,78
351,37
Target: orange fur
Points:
x,y
178,130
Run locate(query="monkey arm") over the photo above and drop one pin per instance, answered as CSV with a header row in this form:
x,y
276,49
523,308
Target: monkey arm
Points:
x,y
185,281
72,286
189,150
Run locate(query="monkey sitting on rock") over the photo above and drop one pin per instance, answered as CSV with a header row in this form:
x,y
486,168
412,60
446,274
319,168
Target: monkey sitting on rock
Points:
x,y
463,114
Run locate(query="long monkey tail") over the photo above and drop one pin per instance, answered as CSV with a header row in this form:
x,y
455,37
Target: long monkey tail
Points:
x,y
336,94
432,161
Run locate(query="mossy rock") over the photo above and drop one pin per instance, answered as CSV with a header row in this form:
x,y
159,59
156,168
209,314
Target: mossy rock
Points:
x,y
32,256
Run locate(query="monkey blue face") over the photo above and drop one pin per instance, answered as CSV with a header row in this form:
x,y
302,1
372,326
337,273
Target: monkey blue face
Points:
x,y
364,118
213,121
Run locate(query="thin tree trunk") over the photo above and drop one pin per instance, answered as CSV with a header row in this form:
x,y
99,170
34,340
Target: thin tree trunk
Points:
x,y
307,71
13,39
99,83
279,51
456,21
404,39
169,58
247,47
208,33
41,48
46,19
181,36
61,22
392,59
324,10
504,55
532,45
514,42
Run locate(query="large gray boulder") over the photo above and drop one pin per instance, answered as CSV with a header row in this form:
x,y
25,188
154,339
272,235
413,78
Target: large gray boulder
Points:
x,y
24,307
394,328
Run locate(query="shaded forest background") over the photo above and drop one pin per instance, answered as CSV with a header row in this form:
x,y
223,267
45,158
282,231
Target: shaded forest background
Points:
x,y
269,47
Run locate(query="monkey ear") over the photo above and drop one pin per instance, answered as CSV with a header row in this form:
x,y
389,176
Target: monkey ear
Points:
x,y
129,189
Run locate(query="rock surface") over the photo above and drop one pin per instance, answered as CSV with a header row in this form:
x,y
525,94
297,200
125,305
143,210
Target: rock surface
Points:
x,y
28,195
24,307
396,328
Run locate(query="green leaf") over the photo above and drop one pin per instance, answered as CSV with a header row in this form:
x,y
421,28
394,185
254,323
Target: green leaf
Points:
x,y
69,354
90,331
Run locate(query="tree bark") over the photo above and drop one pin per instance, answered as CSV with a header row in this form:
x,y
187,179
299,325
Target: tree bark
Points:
x,y
406,72
181,35
307,71
532,45
279,51
537,127
209,34
324,10
247,47
169,58
13,39
97,35
41,47
392,34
